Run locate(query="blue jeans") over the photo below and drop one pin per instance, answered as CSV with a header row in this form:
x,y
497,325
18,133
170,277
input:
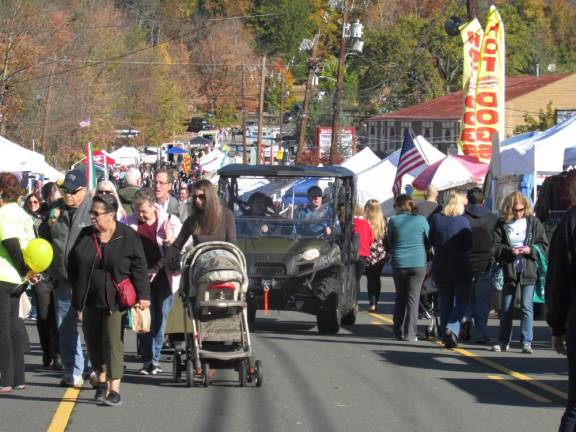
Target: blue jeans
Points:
x,y
70,344
160,305
479,305
507,313
453,299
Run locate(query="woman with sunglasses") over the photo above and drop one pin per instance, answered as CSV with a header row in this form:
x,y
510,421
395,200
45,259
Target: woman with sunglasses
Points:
x,y
43,290
33,206
105,254
517,234
106,187
208,220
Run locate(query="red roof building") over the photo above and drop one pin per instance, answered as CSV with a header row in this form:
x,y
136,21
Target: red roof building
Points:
x,y
438,120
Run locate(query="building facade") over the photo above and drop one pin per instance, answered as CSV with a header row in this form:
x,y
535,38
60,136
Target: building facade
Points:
x,y
438,120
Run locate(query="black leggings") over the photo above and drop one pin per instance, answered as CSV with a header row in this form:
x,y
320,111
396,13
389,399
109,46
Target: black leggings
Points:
x,y
13,338
374,285
46,319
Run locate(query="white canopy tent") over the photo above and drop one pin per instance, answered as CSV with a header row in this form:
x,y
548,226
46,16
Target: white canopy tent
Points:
x,y
361,161
376,182
126,156
536,152
16,158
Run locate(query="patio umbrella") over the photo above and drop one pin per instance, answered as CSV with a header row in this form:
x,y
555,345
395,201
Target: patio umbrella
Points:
x,y
450,172
176,150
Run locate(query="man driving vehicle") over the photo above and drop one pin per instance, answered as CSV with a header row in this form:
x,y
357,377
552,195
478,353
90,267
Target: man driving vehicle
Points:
x,y
314,212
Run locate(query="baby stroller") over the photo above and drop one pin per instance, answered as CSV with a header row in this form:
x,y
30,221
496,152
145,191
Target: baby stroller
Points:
x,y
428,306
213,292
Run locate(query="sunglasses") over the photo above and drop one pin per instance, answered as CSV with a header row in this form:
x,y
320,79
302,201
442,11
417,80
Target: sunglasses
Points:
x,y
105,192
71,192
201,197
96,214
518,210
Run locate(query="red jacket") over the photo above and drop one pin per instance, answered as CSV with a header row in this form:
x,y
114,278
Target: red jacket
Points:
x,y
364,231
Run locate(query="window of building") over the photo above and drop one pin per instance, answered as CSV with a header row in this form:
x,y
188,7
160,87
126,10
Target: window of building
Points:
x,y
449,132
428,131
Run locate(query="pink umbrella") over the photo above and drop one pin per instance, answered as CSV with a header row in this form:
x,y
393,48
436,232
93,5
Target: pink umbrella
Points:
x,y
452,171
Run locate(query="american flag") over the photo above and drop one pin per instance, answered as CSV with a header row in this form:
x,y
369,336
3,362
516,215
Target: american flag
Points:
x,y
410,159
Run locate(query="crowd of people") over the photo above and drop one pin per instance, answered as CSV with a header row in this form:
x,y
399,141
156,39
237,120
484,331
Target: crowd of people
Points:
x,y
135,231
100,240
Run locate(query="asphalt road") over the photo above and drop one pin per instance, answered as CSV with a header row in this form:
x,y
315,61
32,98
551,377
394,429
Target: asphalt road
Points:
x,y
359,380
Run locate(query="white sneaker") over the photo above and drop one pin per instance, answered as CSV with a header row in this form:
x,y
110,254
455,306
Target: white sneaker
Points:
x,y
500,348
527,349
145,369
71,381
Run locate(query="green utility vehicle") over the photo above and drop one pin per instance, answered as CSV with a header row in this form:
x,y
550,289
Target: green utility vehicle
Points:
x,y
298,259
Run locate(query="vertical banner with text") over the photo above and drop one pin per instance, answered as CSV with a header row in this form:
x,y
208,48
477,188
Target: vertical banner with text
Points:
x,y
484,113
472,36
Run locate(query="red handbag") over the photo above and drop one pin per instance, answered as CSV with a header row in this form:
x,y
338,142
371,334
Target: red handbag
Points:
x,y
125,290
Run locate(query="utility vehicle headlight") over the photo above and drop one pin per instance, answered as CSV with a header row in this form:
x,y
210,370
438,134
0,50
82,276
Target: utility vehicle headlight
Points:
x,y
310,254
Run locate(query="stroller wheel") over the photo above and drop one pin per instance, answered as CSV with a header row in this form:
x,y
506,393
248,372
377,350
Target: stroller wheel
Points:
x,y
242,373
176,367
205,374
189,373
258,373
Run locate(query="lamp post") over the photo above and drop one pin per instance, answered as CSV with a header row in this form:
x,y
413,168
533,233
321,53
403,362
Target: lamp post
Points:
x,y
353,32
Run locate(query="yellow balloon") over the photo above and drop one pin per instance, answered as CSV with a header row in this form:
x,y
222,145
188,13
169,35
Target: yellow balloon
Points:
x,y
38,255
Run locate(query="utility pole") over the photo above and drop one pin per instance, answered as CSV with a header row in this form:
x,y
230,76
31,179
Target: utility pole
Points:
x,y
339,84
261,111
281,110
472,8
244,146
312,63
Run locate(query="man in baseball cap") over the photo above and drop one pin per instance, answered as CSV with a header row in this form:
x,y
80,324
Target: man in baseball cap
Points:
x,y
64,232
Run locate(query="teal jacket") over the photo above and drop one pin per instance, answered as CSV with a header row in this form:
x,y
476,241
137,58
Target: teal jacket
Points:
x,y
407,234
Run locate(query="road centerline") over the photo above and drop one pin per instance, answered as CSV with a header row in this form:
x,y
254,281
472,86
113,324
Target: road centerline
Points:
x,y
490,363
64,411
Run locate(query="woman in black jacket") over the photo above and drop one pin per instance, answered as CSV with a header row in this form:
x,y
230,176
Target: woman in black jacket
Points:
x,y
104,254
517,234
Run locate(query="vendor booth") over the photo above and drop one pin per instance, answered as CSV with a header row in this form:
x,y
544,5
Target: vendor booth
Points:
x,y
126,156
376,182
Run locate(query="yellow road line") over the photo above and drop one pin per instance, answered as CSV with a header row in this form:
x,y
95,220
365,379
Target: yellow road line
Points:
x,y
64,410
381,317
529,394
514,374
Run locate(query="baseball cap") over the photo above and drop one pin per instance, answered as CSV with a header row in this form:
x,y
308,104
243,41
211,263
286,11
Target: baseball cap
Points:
x,y
73,180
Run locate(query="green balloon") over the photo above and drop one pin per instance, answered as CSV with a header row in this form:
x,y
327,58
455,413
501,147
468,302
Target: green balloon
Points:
x,y
38,255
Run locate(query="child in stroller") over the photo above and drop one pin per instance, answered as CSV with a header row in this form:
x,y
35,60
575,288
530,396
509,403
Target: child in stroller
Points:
x,y
215,323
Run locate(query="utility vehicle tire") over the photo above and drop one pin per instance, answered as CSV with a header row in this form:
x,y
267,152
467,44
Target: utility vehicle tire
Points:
x,y
251,312
328,317
350,317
